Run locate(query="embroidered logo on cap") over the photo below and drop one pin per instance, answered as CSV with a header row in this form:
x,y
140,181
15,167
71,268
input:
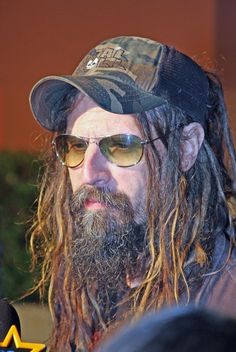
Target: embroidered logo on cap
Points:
x,y
92,63
109,57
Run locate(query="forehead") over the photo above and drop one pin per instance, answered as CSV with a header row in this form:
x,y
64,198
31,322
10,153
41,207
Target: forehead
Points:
x,y
90,120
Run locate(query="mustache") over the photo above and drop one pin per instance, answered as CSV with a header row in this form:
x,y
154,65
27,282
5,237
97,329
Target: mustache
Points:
x,y
116,200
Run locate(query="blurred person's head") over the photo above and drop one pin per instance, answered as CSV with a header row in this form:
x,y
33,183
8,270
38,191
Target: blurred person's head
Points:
x,y
176,330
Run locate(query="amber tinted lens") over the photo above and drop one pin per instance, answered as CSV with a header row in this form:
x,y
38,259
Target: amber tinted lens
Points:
x,y
121,149
70,149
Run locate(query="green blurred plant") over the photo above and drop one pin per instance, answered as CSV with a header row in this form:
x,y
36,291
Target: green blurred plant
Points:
x,y
18,191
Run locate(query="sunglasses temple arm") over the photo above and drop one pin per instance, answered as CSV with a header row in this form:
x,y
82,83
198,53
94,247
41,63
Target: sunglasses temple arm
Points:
x,y
149,141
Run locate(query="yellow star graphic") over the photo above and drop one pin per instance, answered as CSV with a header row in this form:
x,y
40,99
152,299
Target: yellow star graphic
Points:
x,y
14,335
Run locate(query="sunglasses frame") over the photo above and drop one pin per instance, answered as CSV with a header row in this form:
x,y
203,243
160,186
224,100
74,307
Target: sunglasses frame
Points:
x,y
97,140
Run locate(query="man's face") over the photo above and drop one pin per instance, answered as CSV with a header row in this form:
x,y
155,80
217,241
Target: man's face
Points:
x,y
89,120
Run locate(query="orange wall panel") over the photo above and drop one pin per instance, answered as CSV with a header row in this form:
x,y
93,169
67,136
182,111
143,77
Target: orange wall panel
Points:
x,y
2,119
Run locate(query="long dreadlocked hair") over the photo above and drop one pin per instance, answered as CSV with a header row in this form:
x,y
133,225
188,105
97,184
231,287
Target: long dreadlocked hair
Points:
x,y
185,212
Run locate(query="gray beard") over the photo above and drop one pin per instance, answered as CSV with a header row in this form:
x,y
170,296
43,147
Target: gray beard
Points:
x,y
106,243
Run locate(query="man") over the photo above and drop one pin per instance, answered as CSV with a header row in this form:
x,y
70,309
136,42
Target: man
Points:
x,y
136,204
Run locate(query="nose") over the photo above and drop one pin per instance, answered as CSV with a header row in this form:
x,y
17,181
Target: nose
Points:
x,y
95,167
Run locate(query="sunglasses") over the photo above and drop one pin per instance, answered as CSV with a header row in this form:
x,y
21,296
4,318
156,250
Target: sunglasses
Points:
x,y
124,150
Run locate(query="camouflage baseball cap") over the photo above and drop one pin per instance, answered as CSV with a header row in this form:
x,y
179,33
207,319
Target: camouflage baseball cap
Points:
x,y
126,75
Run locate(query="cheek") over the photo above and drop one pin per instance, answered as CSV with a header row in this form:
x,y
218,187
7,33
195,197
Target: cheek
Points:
x,y
74,179
133,182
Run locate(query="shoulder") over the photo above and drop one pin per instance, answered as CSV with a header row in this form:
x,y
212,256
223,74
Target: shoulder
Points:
x,y
219,285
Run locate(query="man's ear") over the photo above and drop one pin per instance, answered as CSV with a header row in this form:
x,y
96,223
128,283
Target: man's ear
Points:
x,y
190,143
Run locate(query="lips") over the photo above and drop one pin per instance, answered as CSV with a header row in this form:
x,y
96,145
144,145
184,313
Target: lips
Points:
x,y
93,204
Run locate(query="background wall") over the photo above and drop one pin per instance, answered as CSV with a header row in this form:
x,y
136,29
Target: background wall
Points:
x,y
45,37
225,52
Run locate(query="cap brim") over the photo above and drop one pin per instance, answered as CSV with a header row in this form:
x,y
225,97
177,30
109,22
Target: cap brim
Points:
x,y
110,93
